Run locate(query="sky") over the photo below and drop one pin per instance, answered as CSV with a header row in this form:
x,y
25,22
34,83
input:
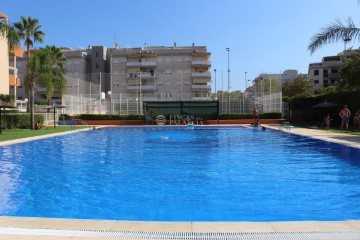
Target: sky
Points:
x,y
264,36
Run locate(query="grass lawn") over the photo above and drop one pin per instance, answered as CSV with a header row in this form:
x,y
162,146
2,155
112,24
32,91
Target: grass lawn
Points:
x,y
351,132
11,134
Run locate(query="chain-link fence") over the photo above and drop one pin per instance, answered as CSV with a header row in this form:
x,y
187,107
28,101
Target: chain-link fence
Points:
x,y
125,93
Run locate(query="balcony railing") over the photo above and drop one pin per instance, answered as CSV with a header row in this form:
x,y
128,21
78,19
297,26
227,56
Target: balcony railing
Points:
x,y
144,88
201,74
144,75
201,63
147,75
201,87
334,75
141,64
201,81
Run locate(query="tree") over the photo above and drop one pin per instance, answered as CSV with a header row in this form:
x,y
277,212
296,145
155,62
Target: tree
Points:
x,y
12,36
29,30
300,85
51,72
350,72
267,84
336,31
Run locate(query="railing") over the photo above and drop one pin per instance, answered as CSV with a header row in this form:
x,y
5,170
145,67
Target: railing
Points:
x,y
201,75
81,121
201,63
141,64
201,87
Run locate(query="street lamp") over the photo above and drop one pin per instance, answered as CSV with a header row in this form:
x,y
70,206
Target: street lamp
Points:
x,y
140,98
109,94
228,51
245,82
215,85
181,87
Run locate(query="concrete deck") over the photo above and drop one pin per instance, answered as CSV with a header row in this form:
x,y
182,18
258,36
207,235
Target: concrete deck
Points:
x,y
12,228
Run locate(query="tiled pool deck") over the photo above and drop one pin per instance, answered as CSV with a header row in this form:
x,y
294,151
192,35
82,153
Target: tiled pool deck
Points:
x,y
40,228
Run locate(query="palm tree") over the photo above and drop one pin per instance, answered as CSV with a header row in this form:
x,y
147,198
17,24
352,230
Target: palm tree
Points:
x,y
53,76
10,34
337,31
29,30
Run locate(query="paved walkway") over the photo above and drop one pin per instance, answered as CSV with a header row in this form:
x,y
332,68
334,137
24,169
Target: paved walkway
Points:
x,y
15,228
341,138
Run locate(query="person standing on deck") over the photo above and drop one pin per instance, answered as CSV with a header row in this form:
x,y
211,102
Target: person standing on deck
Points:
x,y
345,115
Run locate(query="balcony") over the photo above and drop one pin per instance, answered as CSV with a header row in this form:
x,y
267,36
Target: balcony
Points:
x,y
201,63
201,81
141,64
147,75
144,88
334,75
12,81
201,88
201,75
144,75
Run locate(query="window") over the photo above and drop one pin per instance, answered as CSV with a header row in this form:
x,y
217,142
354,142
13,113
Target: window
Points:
x,y
316,82
97,65
316,72
326,83
96,54
325,73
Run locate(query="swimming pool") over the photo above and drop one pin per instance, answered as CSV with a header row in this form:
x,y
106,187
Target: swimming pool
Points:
x,y
181,174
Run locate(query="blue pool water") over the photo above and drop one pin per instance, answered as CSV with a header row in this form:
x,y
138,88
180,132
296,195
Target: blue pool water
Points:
x,y
180,174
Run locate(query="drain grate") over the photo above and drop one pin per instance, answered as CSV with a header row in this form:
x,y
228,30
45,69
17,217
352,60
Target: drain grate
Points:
x,y
182,235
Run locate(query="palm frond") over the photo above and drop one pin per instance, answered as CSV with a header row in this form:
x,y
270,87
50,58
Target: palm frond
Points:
x,y
337,31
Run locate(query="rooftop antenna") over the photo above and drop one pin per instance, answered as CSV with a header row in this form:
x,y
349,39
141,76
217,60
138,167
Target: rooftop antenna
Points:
x,y
116,45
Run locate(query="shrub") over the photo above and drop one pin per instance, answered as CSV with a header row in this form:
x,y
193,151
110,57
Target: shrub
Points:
x,y
11,121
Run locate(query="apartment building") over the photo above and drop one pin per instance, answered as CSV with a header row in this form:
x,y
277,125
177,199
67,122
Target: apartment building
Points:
x,y
326,73
149,73
4,60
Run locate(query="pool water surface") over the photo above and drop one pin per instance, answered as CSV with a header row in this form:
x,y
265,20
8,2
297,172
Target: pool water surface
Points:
x,y
181,174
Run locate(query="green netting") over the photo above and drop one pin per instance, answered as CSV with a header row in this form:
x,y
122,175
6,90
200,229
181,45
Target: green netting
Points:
x,y
206,110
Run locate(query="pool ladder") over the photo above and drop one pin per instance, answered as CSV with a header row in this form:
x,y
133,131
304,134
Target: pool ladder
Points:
x,y
81,121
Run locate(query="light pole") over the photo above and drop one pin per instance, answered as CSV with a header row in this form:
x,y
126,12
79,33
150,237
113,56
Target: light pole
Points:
x,y
181,87
140,95
245,82
244,93
215,85
109,94
228,51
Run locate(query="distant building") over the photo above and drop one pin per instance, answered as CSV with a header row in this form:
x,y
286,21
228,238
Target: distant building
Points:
x,y
326,73
152,73
288,76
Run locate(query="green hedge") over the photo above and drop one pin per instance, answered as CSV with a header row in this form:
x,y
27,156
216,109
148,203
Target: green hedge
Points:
x,y
11,121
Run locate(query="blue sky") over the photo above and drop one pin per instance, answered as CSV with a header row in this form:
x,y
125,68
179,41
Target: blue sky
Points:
x,y
265,36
